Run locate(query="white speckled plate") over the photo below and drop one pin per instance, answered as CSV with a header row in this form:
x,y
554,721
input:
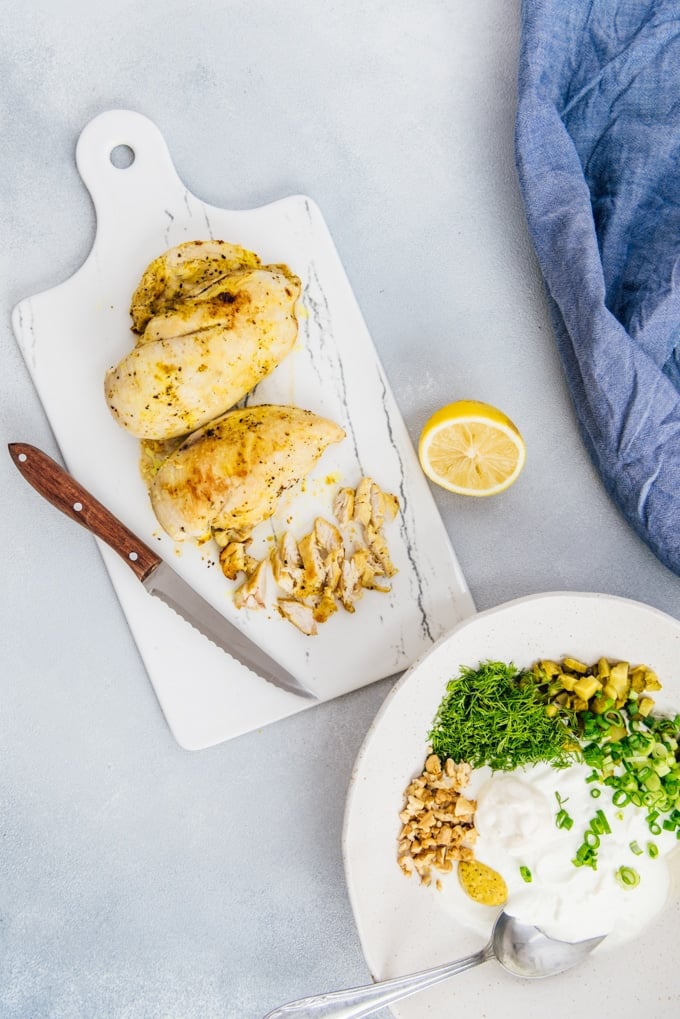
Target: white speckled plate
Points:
x,y
405,927
71,334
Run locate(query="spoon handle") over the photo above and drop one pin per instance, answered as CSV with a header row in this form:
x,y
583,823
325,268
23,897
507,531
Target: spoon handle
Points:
x,y
362,1001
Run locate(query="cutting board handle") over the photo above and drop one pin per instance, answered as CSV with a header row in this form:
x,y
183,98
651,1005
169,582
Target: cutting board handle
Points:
x,y
120,187
64,492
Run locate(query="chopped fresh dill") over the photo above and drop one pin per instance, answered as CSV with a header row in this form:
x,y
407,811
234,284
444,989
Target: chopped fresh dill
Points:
x,y
496,715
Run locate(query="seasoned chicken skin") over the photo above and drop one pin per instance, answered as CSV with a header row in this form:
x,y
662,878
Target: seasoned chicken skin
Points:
x,y
212,323
228,477
183,273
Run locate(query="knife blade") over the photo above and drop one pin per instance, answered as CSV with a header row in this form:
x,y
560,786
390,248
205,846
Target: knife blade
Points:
x,y
61,489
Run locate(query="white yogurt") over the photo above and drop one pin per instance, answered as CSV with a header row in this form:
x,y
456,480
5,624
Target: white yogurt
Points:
x,y
515,818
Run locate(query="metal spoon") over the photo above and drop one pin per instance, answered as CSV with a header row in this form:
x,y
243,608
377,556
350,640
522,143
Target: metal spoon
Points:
x,y
521,949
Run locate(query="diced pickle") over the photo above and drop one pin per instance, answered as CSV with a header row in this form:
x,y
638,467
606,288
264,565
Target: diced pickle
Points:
x,y
549,667
602,686
586,687
574,665
638,679
618,678
603,668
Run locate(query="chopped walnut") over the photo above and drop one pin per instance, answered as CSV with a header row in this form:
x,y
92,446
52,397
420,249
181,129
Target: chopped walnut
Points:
x,y
437,820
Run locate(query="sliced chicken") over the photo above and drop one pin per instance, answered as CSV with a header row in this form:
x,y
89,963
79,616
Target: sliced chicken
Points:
x,y
299,614
229,476
343,505
369,569
287,565
372,507
252,592
235,559
377,543
363,507
314,572
332,549
349,586
325,607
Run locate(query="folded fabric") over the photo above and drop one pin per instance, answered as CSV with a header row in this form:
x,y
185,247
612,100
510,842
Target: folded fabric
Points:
x,y
598,157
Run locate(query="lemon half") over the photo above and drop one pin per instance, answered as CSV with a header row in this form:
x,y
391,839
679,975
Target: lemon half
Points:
x,y
471,448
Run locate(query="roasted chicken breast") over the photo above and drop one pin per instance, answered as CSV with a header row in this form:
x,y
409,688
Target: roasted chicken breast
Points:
x,y
212,323
228,476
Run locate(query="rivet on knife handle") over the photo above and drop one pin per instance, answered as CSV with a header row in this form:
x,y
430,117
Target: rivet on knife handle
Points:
x,y
64,492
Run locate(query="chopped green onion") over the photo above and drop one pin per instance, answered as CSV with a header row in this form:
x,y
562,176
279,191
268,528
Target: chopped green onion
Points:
x,y
627,877
586,856
635,848
595,793
603,827
652,850
526,874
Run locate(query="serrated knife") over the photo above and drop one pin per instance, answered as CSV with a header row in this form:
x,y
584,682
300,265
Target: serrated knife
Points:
x,y
63,491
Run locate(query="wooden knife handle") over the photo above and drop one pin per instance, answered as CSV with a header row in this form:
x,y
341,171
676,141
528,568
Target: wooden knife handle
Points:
x,y
64,492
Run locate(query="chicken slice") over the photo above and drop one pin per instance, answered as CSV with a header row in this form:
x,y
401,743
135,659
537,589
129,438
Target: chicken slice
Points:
x,y
349,585
199,360
343,506
362,501
252,592
229,476
377,543
325,607
314,571
234,559
372,507
287,565
299,614
391,506
331,546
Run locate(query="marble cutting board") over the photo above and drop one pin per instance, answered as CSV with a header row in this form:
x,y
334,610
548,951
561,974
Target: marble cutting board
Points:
x,y
71,334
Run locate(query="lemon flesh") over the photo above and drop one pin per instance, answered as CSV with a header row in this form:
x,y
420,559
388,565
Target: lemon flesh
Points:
x,y
471,448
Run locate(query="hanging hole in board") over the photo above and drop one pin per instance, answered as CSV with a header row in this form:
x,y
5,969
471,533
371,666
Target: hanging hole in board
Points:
x,y
122,156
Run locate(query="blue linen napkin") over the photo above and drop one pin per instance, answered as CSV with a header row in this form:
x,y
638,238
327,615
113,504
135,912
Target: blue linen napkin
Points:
x,y
598,157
